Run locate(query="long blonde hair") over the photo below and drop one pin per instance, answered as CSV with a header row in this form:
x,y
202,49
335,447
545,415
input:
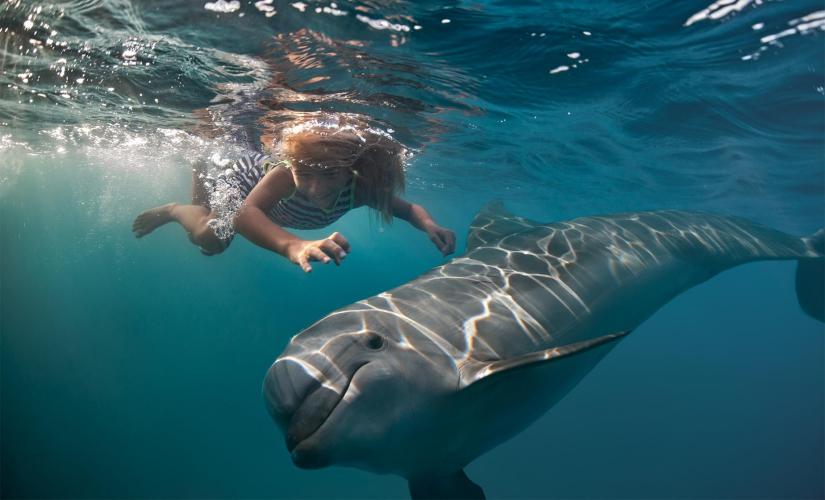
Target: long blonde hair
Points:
x,y
375,158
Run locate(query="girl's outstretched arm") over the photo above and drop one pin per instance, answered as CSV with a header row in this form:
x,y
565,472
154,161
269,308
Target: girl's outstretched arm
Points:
x,y
252,222
442,238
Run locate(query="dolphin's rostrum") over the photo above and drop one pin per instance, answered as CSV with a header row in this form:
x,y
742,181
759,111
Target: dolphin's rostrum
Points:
x,y
422,379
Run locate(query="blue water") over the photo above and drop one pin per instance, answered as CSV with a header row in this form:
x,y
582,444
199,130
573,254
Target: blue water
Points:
x,y
132,368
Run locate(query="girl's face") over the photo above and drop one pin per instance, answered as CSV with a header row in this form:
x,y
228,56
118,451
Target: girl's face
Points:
x,y
321,186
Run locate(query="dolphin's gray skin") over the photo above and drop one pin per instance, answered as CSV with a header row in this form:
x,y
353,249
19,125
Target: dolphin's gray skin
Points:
x,y
422,379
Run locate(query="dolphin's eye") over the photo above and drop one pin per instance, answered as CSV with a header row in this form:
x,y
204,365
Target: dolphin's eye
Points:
x,y
374,341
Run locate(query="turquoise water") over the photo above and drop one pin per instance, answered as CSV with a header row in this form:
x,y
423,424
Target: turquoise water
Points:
x,y
132,368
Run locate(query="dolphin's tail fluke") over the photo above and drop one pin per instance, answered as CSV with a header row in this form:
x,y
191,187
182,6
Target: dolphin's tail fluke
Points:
x,y
810,278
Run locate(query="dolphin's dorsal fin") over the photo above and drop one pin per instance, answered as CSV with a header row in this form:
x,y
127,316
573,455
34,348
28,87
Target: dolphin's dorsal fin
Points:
x,y
494,221
484,370
449,486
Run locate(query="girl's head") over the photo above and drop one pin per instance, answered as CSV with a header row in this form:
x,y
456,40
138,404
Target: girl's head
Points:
x,y
326,153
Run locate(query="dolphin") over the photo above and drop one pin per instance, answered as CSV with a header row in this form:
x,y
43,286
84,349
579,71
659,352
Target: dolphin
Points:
x,y
420,380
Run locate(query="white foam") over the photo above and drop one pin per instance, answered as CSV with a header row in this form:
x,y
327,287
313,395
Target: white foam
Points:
x,y
820,14
719,9
777,36
266,7
222,6
382,24
799,26
333,11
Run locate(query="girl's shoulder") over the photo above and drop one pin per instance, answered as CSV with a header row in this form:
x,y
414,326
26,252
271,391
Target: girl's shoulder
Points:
x,y
277,170
274,185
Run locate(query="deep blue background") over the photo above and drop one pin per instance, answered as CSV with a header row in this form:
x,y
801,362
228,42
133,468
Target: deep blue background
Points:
x,y
132,368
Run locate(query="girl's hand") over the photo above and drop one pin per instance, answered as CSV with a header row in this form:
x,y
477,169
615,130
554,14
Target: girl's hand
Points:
x,y
334,247
442,238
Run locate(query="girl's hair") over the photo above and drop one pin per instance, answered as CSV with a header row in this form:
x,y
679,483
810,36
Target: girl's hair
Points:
x,y
346,141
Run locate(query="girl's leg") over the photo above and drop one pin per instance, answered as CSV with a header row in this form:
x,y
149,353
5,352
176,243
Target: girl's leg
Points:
x,y
193,218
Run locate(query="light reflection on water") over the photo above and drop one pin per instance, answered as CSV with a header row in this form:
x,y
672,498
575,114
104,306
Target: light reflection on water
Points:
x,y
105,103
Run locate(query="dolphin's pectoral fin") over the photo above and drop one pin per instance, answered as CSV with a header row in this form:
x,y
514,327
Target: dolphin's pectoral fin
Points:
x,y
481,371
494,221
456,485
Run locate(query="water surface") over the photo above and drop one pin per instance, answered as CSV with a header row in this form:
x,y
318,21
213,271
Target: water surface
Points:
x,y
132,368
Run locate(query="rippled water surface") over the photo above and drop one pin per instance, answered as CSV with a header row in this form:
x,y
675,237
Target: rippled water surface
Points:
x,y
132,368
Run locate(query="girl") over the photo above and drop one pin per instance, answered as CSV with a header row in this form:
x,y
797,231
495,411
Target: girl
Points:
x,y
323,169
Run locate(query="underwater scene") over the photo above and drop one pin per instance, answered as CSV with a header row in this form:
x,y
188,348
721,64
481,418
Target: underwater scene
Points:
x,y
442,217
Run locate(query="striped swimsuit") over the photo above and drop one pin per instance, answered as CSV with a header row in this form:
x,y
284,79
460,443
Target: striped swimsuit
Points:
x,y
295,211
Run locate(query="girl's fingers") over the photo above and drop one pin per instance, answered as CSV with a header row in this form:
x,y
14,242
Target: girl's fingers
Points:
x,y
332,249
450,242
302,261
315,253
444,240
339,239
441,242
321,251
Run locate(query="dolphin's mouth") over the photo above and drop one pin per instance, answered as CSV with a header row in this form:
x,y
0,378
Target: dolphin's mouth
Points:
x,y
314,411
